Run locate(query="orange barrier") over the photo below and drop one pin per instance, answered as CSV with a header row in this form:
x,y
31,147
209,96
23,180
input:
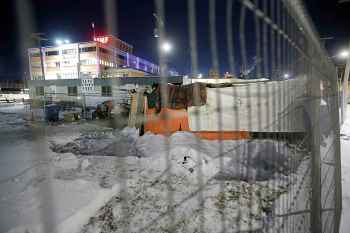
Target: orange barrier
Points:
x,y
169,121
225,135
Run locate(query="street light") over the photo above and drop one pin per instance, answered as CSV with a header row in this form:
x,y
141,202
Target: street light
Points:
x,y
58,42
344,54
286,75
166,47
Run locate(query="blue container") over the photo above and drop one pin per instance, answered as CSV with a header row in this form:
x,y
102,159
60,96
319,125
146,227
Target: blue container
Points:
x,y
52,112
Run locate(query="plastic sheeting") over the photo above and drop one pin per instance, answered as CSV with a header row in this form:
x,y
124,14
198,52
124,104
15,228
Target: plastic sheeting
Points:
x,y
274,106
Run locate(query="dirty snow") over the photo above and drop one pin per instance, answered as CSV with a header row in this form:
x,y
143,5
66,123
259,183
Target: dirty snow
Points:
x,y
205,183
84,178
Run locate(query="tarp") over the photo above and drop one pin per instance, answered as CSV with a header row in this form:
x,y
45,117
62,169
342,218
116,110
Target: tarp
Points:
x,y
169,121
179,97
274,106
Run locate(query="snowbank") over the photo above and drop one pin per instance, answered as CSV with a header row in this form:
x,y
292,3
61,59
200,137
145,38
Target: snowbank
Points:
x,y
257,159
201,180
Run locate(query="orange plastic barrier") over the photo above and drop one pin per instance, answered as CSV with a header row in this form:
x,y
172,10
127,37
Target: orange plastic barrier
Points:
x,y
169,121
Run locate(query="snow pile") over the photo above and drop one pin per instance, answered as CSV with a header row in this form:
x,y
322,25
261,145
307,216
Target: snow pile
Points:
x,y
260,160
116,143
182,183
241,160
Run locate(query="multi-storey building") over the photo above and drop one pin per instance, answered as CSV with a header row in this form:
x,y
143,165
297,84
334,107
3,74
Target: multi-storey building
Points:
x,y
89,73
87,59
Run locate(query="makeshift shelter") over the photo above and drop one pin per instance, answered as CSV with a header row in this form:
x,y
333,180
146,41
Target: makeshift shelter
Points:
x,y
225,111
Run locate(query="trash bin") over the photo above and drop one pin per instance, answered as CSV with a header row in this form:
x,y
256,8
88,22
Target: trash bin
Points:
x,y
88,113
52,112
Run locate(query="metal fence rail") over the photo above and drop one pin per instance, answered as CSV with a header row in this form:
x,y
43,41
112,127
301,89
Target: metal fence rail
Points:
x,y
293,117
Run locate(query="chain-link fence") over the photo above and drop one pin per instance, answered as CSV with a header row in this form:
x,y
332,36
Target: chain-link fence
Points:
x,y
285,42
274,163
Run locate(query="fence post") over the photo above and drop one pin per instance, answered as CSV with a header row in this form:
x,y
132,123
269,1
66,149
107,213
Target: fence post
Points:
x,y
314,116
337,154
345,87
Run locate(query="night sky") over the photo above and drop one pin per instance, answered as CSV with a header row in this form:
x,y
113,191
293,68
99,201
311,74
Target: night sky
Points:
x,y
72,19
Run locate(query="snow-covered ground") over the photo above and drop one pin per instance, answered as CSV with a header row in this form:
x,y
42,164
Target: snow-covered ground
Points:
x,y
83,178
345,152
31,197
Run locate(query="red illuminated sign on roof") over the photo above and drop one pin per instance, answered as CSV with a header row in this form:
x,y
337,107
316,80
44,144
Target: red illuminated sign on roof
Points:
x,y
102,39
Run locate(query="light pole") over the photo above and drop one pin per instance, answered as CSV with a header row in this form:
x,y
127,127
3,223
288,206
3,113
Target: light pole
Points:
x,y
159,23
344,55
165,47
